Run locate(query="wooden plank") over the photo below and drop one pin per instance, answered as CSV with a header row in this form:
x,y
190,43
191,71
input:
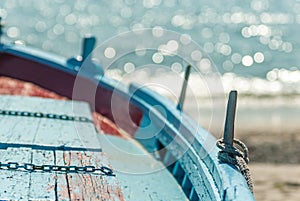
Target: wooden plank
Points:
x,y
108,186
91,186
14,184
140,175
47,131
53,142
42,185
21,130
62,186
14,128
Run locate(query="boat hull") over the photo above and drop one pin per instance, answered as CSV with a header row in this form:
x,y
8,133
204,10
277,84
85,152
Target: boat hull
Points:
x,y
187,150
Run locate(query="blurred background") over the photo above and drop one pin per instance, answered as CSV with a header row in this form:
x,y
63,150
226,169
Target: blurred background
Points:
x,y
254,45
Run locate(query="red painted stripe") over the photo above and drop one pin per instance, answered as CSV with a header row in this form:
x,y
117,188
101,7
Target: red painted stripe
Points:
x,y
11,86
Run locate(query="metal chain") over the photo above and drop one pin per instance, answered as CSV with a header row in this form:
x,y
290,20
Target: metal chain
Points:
x,y
49,168
57,168
44,115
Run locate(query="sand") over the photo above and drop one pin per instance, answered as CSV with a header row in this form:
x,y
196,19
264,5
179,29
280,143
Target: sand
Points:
x,y
275,162
276,182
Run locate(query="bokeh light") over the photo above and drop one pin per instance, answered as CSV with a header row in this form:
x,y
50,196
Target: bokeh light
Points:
x,y
110,53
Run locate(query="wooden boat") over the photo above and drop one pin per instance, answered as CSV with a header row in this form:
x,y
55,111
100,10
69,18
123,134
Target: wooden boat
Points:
x,y
171,161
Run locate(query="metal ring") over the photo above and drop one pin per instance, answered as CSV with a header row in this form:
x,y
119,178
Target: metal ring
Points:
x,y
38,114
51,116
70,118
64,168
30,114
25,114
80,169
12,165
63,117
47,168
56,168
72,169
28,166
37,167
7,112
84,119
19,113
90,168
12,113
107,171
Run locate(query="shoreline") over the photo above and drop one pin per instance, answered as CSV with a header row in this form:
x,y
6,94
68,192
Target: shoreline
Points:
x,y
274,147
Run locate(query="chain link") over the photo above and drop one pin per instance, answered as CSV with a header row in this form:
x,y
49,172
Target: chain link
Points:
x,y
52,168
57,168
44,115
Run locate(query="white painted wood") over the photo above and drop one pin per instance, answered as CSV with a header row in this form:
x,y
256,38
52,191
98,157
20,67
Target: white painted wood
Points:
x,y
91,186
40,135
42,185
139,174
62,186
47,131
14,185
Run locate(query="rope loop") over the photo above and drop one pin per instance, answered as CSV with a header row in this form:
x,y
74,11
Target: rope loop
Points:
x,y
236,155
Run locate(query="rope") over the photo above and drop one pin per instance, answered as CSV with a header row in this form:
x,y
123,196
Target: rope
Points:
x,y
239,157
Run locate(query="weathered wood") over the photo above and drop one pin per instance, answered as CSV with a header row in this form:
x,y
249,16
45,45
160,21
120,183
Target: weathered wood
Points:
x,y
76,181
62,190
90,186
42,184
14,185
141,176
43,141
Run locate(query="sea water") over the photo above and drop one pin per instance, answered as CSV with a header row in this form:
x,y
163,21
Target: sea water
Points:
x,y
254,46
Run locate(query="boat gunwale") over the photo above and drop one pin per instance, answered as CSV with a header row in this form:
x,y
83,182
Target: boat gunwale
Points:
x,y
228,180
226,177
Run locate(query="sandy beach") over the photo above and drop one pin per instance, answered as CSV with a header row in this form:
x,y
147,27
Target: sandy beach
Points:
x,y
276,182
275,163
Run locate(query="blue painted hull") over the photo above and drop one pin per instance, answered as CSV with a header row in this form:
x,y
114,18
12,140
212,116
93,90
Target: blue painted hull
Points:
x,y
189,151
